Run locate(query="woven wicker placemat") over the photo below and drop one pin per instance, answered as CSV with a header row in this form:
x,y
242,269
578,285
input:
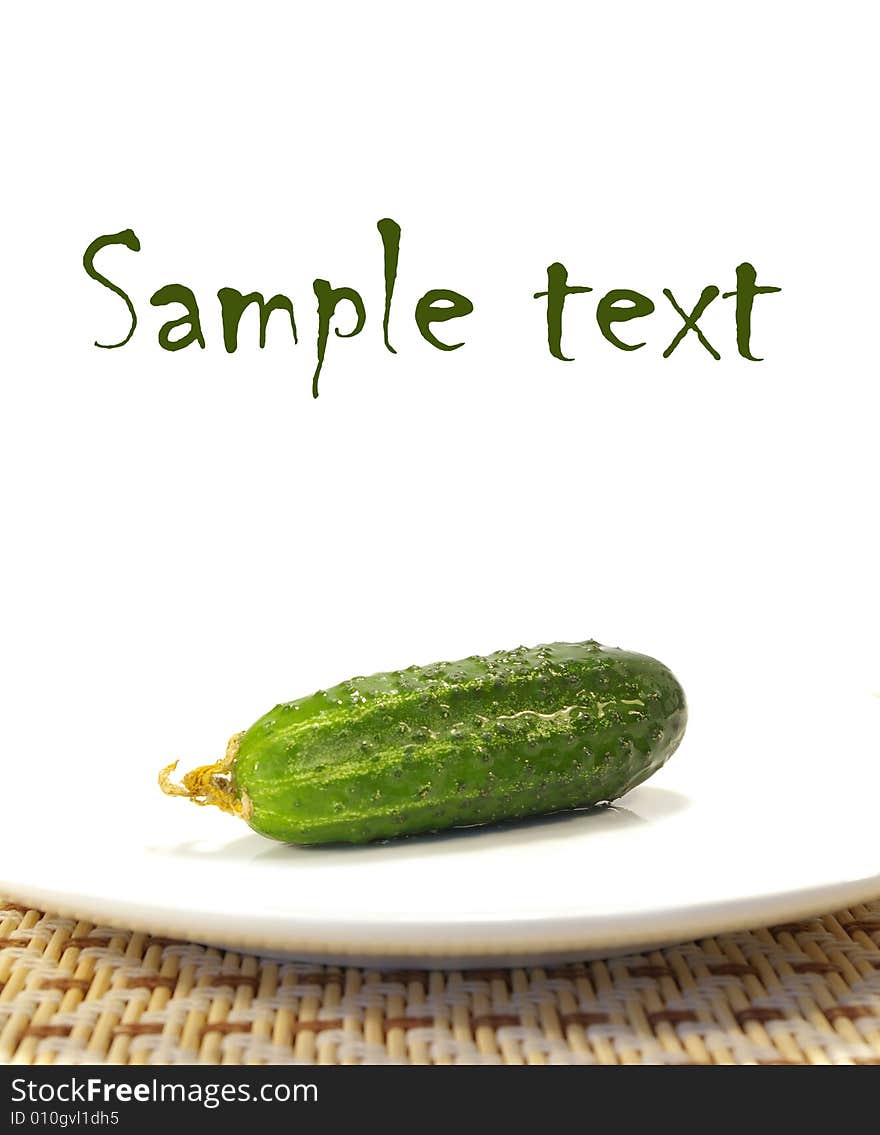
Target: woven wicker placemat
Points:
x,y
804,993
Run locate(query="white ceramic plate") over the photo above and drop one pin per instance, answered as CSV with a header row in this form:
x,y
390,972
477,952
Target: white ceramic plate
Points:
x,y
770,818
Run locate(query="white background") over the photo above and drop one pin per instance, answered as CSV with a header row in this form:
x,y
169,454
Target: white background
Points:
x,y
190,537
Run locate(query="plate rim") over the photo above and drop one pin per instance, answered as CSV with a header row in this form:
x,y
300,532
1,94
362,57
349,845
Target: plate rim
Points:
x,y
474,944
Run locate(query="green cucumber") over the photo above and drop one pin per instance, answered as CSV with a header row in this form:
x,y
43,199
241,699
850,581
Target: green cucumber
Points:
x,y
516,733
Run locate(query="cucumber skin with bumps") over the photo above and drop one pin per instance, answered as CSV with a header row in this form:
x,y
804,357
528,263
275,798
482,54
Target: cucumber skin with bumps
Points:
x,y
507,735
